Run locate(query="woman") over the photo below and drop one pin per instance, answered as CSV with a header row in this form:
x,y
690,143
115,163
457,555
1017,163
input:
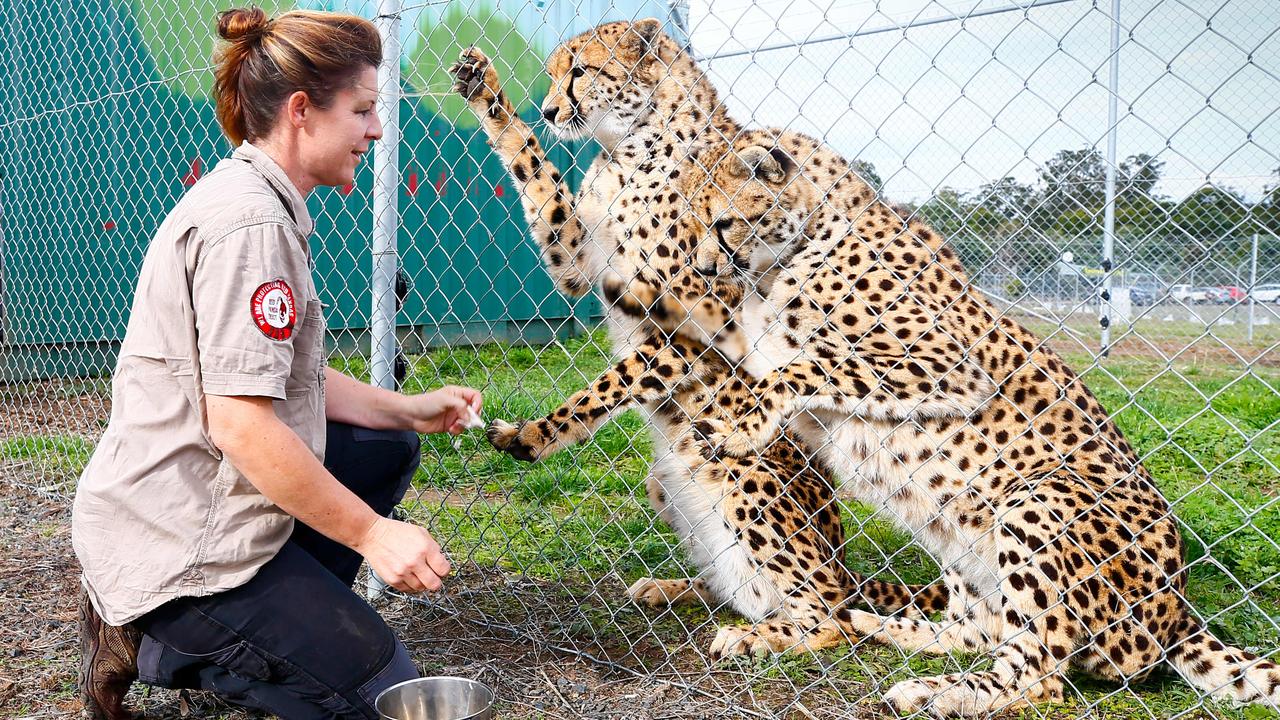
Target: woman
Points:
x,y
196,573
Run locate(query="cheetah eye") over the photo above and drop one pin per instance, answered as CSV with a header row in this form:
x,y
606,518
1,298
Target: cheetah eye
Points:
x,y
578,71
723,224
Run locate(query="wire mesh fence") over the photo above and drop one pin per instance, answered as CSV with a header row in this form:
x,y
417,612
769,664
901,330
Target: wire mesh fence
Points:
x,y
635,231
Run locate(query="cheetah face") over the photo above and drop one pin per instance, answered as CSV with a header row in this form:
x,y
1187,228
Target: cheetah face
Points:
x,y
602,80
749,205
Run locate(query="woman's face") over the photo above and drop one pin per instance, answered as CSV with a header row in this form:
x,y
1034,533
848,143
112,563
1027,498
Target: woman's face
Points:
x,y
338,136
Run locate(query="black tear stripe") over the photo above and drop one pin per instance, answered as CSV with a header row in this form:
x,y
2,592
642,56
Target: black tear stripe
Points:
x,y
573,99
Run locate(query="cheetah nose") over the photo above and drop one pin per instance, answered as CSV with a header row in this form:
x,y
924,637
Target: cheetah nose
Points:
x,y
549,112
706,270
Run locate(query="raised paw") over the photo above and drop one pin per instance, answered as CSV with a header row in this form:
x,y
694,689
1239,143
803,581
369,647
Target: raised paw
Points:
x,y
734,640
513,439
719,437
475,78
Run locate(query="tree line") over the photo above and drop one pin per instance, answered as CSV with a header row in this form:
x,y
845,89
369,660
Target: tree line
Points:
x,y
1023,229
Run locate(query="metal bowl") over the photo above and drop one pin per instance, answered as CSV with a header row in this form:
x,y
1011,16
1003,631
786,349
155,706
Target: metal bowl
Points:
x,y
436,698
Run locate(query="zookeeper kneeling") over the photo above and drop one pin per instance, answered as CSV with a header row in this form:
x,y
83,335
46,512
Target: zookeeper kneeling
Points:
x,y
218,551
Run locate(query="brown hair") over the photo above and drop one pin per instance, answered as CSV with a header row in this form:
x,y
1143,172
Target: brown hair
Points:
x,y
266,60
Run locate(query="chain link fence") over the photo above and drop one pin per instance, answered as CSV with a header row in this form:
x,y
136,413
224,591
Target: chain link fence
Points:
x,y
1106,173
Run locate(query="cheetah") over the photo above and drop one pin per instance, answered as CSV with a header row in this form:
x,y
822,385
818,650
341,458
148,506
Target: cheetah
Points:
x,y
868,341
764,531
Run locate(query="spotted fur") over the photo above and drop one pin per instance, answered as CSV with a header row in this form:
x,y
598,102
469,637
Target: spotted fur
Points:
x,y
870,343
851,333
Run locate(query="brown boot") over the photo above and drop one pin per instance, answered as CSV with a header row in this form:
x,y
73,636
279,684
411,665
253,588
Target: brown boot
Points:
x,y
108,664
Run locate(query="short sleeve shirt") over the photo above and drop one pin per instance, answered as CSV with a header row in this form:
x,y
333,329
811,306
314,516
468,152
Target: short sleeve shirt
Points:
x,y
225,305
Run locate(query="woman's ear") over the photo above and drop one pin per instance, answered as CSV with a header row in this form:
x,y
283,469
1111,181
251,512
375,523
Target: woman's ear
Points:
x,y
296,107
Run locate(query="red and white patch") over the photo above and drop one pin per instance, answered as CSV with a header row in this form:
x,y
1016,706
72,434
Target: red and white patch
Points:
x,y
274,310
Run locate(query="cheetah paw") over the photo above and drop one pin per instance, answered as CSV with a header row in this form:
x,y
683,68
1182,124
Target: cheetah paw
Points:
x,y
506,437
908,697
655,593
719,437
734,640
475,78
945,697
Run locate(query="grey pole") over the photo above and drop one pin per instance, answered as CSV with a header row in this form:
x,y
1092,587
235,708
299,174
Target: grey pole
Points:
x,y
1109,217
1253,281
386,186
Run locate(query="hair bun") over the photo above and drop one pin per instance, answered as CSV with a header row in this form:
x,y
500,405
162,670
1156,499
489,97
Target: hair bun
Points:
x,y
238,23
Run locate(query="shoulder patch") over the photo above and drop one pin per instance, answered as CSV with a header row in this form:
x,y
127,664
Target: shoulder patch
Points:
x,y
274,310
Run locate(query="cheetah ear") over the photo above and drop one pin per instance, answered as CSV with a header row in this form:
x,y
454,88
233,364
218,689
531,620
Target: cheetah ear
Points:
x,y
769,164
642,36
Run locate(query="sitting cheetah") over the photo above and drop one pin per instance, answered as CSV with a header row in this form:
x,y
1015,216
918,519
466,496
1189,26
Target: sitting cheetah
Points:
x,y
868,341
763,531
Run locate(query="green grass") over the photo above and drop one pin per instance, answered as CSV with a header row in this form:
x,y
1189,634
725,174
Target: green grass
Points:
x,y
583,512
1209,436
59,457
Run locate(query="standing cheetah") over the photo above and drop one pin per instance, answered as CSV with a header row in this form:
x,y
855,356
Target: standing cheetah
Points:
x,y
869,342
763,531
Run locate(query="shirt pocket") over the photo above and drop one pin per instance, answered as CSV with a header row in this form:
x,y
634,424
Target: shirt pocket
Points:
x,y
308,353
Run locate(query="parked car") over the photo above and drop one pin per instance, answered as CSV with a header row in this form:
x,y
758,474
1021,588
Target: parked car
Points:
x,y
1215,295
1180,292
1144,294
1267,293
1188,294
1234,293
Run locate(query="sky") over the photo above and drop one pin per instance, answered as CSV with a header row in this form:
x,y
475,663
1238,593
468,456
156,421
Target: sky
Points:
x,y
960,104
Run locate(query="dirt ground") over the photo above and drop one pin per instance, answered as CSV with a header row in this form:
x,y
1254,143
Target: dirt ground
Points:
x,y
39,651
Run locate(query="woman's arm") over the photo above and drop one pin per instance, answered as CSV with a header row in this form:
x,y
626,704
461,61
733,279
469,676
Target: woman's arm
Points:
x,y
282,467
444,410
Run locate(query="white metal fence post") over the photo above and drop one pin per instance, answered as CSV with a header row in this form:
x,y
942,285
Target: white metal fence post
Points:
x,y
386,220
1253,282
1109,211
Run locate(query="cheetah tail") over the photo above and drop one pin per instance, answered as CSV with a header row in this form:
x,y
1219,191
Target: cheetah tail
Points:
x,y
886,597
1224,671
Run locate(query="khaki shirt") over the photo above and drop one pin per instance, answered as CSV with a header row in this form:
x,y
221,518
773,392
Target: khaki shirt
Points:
x,y
225,305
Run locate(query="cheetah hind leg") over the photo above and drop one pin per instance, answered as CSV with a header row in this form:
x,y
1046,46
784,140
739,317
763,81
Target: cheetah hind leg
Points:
x,y
806,624
801,625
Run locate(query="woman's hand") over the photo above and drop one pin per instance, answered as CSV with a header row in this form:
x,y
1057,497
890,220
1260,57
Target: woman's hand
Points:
x,y
405,556
445,410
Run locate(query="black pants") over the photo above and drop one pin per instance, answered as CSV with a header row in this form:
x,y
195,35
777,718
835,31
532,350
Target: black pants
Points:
x,y
295,640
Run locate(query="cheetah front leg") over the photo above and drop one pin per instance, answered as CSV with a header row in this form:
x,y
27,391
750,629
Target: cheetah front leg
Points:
x,y
882,387
549,207
659,593
652,372
805,626
777,395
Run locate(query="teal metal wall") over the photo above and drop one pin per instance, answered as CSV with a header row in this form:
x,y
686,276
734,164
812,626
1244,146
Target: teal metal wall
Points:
x,y
105,120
